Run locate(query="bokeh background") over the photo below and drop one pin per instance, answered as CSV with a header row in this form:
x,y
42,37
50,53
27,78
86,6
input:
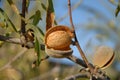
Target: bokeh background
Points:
x,y
95,25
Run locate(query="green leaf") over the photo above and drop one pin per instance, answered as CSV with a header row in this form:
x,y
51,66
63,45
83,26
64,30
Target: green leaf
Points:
x,y
43,6
32,17
37,17
10,2
50,6
117,9
7,19
27,4
37,49
13,6
40,31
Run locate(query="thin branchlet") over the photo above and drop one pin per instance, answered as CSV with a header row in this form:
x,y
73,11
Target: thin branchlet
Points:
x,y
76,41
23,15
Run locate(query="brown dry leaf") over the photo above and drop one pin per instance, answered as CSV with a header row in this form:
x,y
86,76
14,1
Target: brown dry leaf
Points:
x,y
50,15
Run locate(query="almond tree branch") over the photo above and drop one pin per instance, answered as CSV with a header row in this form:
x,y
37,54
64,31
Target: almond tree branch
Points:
x,y
77,60
76,41
23,15
70,14
77,76
15,41
95,73
87,75
23,36
72,57
18,41
10,39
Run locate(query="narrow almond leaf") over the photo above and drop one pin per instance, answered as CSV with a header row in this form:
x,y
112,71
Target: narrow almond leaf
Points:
x,y
32,17
43,6
40,31
13,6
27,5
50,15
37,17
117,9
50,6
15,9
37,49
7,19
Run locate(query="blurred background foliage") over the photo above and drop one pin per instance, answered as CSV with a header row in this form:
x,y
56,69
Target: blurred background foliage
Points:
x,y
94,26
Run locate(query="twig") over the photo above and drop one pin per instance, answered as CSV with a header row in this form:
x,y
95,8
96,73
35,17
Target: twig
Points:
x,y
46,57
23,37
17,41
87,75
76,76
76,41
77,60
13,59
70,14
23,15
10,39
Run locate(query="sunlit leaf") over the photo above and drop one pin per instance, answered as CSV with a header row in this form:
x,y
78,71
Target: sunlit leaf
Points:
x,y
13,6
37,49
10,2
7,19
